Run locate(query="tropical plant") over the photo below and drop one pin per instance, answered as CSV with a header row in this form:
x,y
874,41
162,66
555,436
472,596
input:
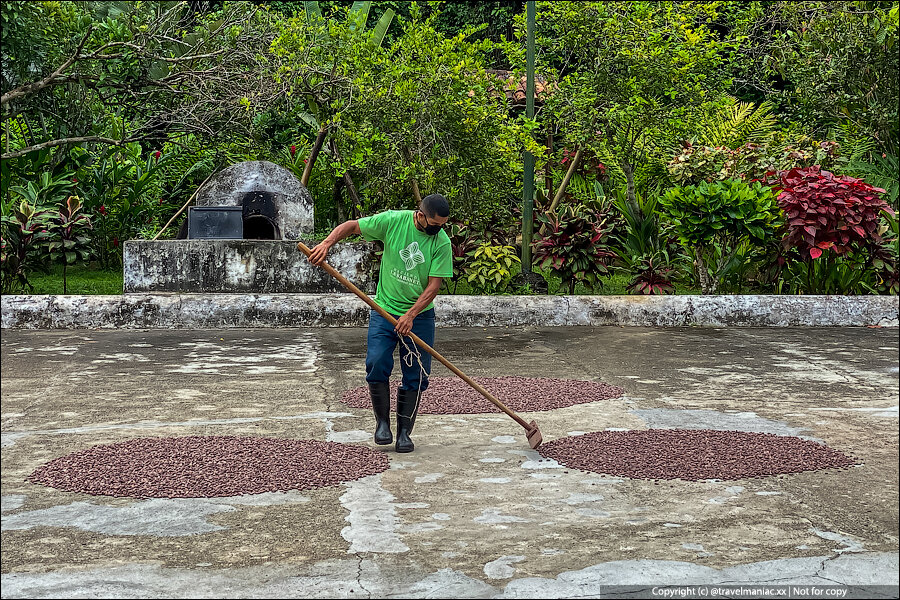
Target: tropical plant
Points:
x,y
25,223
47,190
294,158
66,242
827,213
733,124
573,245
463,242
695,164
641,247
887,259
650,279
716,223
640,235
834,229
22,231
490,269
883,172
848,274
123,193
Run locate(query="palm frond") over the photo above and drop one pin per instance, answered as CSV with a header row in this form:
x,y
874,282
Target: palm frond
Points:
x,y
883,172
738,123
855,145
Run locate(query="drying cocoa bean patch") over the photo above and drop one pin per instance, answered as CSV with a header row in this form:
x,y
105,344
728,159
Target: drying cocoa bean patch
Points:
x,y
207,467
692,454
451,395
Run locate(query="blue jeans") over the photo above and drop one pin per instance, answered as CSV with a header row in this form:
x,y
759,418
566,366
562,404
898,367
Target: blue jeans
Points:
x,y
381,342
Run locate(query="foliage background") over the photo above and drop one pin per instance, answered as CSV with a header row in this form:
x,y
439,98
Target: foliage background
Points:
x,y
129,106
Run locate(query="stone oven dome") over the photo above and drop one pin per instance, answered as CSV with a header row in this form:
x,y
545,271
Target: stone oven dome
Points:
x,y
291,203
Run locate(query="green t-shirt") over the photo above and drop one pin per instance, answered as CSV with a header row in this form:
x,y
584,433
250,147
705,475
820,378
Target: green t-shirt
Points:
x,y
410,257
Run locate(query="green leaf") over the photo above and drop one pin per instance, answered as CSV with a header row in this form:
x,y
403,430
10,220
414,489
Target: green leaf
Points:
x,y
309,119
382,26
359,14
158,69
312,9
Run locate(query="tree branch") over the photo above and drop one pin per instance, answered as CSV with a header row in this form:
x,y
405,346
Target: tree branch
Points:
x,y
60,142
30,88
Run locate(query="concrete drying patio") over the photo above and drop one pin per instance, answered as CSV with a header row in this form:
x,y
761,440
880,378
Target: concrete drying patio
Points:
x,y
473,512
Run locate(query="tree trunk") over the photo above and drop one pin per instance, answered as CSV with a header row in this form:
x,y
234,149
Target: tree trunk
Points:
x,y
414,184
630,195
572,287
313,155
563,184
708,285
415,190
548,171
337,196
354,196
348,181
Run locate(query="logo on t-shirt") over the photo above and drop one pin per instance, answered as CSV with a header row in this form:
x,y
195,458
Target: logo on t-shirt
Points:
x,y
412,256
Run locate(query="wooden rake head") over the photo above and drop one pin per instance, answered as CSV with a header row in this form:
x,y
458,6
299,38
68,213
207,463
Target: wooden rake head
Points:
x,y
534,435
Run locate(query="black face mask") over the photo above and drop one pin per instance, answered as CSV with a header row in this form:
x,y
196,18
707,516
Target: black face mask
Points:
x,y
431,229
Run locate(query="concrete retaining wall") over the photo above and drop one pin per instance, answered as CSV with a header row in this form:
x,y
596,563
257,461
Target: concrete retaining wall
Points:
x,y
201,311
241,267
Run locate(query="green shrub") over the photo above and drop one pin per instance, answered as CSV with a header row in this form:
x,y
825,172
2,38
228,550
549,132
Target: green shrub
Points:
x,y
724,226
121,190
696,163
650,279
641,246
491,268
883,172
887,259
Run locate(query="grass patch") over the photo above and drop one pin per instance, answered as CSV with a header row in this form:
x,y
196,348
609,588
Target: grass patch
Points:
x,y
81,280
614,285
91,280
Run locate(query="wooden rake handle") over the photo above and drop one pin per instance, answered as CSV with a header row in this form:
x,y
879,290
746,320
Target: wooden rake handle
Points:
x,y
362,295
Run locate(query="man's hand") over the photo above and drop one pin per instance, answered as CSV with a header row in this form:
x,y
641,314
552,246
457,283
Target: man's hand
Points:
x,y
404,324
318,254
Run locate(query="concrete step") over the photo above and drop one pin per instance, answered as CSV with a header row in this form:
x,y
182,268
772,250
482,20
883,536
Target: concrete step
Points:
x,y
213,311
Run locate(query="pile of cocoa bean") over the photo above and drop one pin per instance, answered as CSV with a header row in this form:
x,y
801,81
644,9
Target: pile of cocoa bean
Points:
x,y
207,467
692,454
451,395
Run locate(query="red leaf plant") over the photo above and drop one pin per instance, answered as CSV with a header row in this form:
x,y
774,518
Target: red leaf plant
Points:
x,y
652,280
828,212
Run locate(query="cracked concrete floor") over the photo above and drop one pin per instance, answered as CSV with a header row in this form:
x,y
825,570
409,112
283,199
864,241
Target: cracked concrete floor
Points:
x,y
473,512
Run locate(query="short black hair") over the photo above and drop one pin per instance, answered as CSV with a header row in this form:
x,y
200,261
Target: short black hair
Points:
x,y
435,205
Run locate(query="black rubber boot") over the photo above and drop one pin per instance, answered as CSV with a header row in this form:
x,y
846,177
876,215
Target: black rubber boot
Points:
x,y
381,404
407,407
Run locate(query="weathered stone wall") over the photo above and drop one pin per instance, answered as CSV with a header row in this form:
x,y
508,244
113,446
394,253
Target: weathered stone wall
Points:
x,y
241,266
201,311
293,203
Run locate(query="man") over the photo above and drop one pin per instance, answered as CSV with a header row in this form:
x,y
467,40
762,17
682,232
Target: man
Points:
x,y
416,258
